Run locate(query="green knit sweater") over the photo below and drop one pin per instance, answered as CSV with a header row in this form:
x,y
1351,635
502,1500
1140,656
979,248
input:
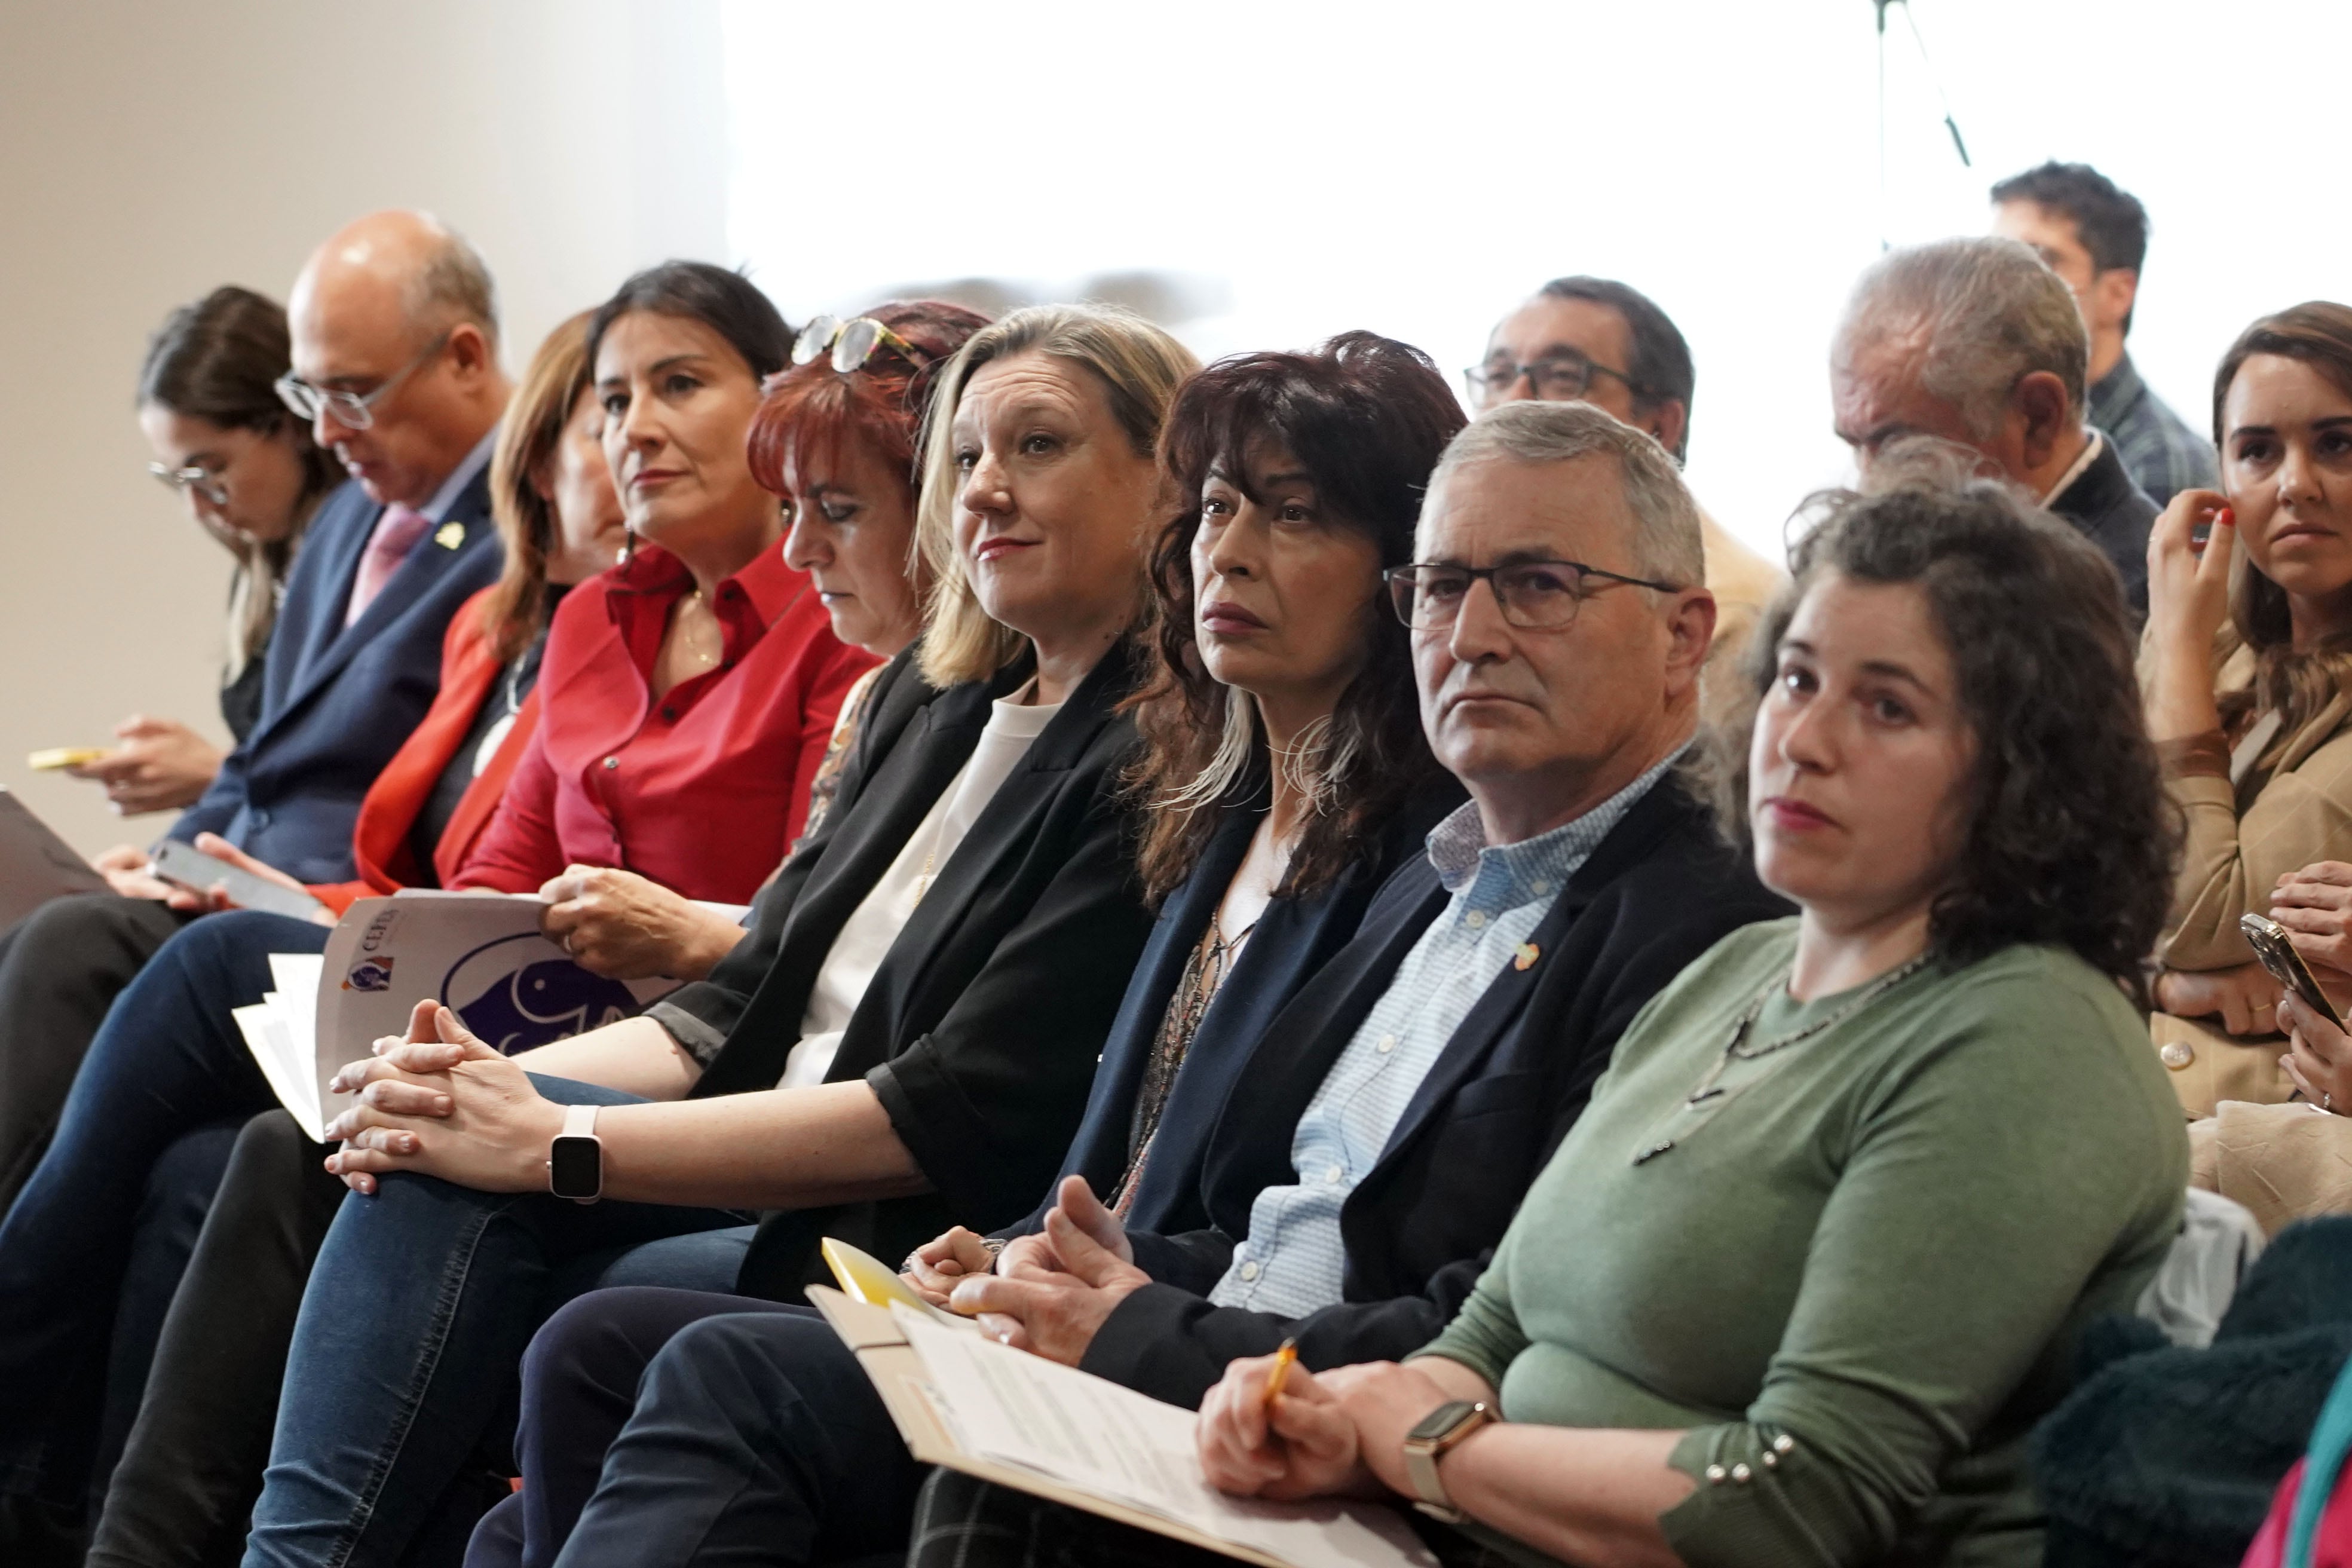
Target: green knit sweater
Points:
x,y
1868,1256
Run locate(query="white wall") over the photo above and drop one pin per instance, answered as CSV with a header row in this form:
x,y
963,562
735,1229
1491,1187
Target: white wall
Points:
x,y
151,151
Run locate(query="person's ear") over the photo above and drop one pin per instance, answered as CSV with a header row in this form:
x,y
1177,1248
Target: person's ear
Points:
x,y
469,351
1667,421
2045,416
1690,628
2113,293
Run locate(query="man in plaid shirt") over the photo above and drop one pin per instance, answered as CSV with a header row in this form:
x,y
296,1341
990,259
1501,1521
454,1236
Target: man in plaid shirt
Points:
x,y
2095,237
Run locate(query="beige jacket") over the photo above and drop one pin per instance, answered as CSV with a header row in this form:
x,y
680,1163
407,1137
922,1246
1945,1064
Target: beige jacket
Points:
x,y
1743,583
2285,1162
2246,830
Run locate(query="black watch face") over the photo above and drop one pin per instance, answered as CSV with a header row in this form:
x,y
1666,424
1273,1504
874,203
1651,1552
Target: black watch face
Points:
x,y
575,1168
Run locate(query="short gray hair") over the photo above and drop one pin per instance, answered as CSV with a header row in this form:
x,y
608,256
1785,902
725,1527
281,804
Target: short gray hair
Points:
x,y
1993,314
1665,543
454,287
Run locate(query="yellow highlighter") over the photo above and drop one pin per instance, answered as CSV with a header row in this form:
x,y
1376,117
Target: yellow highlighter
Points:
x,y
58,757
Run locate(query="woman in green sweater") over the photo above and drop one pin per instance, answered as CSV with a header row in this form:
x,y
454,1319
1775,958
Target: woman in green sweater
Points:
x,y
1801,1280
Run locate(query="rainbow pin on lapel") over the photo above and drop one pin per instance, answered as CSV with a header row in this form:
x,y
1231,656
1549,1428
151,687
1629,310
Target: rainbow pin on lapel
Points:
x,y
1524,959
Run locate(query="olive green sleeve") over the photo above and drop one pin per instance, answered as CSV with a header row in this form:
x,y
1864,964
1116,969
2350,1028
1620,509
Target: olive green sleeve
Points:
x,y
1971,1211
1485,1336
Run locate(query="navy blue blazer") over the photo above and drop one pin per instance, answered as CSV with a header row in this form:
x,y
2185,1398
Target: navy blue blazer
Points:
x,y
337,703
1293,938
1418,1229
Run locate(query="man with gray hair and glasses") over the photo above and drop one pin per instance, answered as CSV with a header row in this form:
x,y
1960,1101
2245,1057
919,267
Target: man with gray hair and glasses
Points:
x,y
1976,343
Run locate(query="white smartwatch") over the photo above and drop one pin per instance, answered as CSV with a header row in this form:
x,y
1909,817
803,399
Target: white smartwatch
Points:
x,y
575,1160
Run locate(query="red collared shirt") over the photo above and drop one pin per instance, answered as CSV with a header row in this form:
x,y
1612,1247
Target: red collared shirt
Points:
x,y
702,791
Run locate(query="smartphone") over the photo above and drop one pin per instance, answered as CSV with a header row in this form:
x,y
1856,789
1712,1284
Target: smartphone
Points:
x,y
2276,950
58,757
183,864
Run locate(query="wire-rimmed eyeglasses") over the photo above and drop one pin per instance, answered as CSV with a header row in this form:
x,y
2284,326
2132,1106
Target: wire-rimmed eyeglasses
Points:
x,y
351,410
853,342
1535,595
1555,378
202,480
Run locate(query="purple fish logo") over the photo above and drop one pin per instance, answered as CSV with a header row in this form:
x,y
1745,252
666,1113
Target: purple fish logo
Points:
x,y
369,975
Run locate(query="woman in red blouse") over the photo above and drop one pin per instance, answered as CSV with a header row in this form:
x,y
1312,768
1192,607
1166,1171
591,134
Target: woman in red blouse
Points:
x,y
686,695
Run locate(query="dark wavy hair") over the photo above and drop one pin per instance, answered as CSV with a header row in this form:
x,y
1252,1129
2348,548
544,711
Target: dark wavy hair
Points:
x,y
1366,417
2070,838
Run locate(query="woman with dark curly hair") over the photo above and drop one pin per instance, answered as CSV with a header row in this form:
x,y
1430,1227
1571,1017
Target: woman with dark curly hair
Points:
x,y
1801,1278
2248,669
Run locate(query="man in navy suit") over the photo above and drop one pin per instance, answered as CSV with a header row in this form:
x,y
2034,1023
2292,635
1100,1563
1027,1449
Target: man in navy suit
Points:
x,y
395,365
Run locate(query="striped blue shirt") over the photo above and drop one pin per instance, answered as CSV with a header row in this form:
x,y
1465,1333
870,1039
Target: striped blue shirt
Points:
x,y
1293,1260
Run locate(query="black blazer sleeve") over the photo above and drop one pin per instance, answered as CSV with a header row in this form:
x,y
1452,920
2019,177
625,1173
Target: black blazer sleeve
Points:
x,y
1477,1155
986,1100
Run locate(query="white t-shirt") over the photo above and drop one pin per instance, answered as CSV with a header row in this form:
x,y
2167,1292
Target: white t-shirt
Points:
x,y
870,930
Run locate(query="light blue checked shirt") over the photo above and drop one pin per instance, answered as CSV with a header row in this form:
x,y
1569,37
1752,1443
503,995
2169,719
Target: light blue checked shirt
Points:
x,y
1293,1260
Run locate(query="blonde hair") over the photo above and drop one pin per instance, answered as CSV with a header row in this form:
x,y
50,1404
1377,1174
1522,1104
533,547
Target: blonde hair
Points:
x,y
1139,366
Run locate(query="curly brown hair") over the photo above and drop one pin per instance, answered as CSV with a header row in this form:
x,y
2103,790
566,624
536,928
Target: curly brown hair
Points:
x,y
2070,837
1366,417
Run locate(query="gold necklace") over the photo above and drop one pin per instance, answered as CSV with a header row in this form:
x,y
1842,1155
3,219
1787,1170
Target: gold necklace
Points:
x,y
1706,1090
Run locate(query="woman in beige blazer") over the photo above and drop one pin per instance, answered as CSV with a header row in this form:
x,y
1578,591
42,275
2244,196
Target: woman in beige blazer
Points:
x,y
2247,672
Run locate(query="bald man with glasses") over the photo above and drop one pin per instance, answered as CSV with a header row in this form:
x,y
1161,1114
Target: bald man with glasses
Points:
x,y
394,364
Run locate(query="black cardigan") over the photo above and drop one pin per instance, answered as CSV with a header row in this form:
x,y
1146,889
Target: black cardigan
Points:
x,y
1658,891
979,1031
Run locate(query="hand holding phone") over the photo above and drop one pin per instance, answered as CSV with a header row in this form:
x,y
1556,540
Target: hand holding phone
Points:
x,y
186,866
2275,949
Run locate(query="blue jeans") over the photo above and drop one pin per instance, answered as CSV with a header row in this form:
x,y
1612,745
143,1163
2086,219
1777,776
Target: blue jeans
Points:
x,y
667,1427
167,1063
417,1315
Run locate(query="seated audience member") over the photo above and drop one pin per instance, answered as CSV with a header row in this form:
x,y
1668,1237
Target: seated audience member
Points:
x,y
2095,236
193,1463
1378,1140
1286,778
2310,1522
1596,341
169,1077
2248,673
208,404
2291,1161
1794,1288
1976,343
395,362
172,1043
907,1035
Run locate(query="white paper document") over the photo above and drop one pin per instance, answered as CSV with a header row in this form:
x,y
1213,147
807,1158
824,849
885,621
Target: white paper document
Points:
x,y
1081,1430
481,954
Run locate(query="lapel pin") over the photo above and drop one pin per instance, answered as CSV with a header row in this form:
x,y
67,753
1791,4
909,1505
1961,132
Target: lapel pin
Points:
x,y
451,535
1524,959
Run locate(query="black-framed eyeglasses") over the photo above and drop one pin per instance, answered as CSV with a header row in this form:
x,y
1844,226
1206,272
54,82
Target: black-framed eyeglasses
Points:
x,y
202,480
1555,378
1535,595
853,342
351,410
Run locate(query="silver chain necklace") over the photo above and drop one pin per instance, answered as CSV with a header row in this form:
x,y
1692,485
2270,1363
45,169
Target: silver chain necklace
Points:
x,y
1707,1089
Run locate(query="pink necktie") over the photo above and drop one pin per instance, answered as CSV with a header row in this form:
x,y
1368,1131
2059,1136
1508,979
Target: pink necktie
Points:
x,y
396,531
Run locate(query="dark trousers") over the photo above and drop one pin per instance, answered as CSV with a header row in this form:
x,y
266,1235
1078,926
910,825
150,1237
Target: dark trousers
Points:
x,y
60,968
182,1495
667,1428
167,1062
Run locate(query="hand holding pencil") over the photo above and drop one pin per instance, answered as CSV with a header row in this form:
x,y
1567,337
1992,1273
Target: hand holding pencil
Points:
x,y
1271,1429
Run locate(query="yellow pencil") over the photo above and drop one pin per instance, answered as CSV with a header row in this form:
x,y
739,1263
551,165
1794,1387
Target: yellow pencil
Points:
x,y
1283,1359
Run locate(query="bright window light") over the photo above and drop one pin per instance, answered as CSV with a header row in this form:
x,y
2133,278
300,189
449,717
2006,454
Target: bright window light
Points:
x,y
1299,170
